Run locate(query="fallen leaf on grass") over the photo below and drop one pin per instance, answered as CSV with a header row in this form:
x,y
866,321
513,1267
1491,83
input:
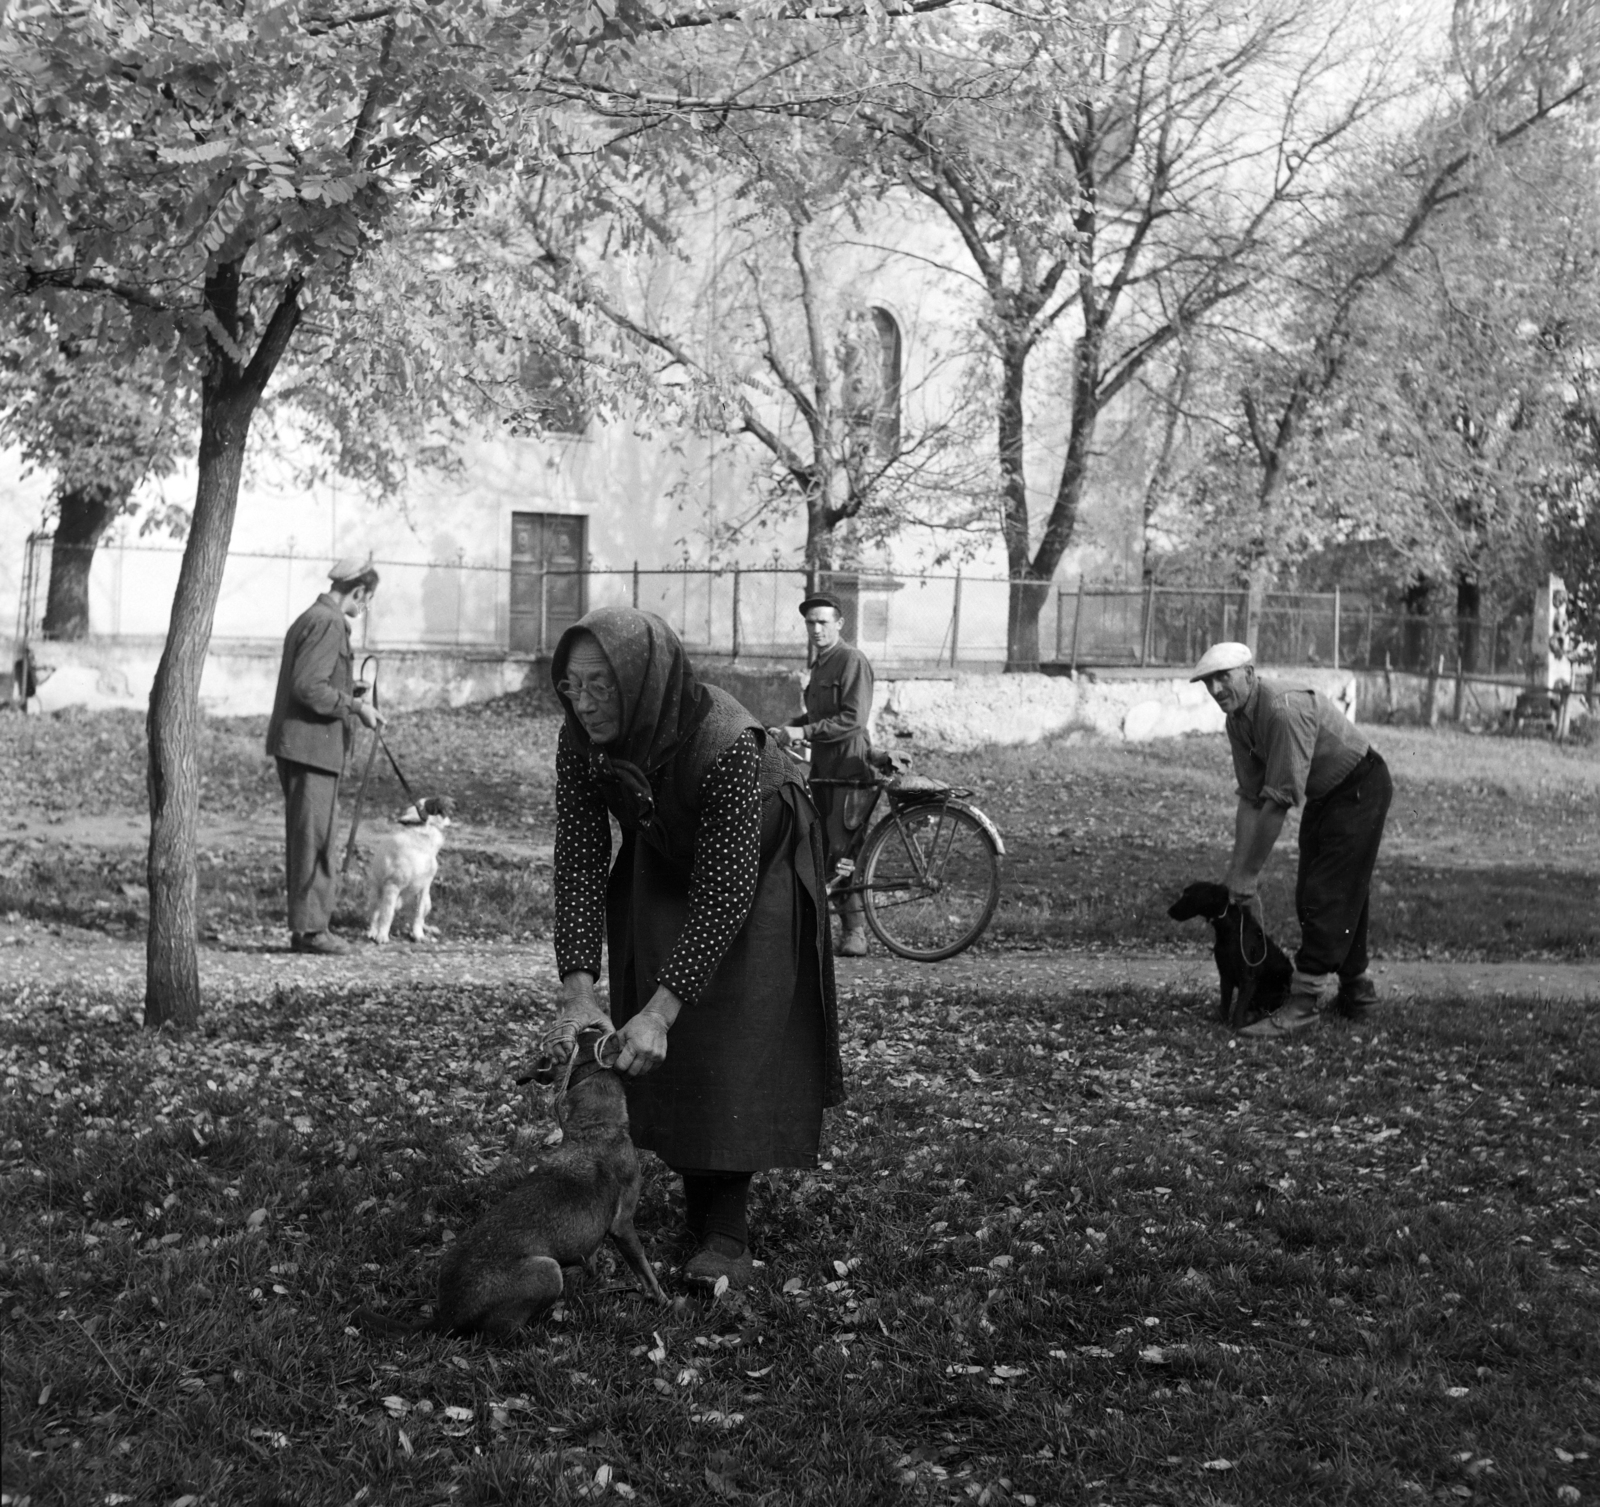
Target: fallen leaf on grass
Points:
x,y
1218,1464
718,1419
396,1407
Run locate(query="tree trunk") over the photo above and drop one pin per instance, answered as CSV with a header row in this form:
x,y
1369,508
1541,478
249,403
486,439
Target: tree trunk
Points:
x,y
1468,606
1258,582
1023,606
172,967
228,399
1024,597
819,529
1415,641
85,514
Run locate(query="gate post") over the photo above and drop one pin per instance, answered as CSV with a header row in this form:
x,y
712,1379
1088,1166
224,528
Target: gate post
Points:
x,y
736,584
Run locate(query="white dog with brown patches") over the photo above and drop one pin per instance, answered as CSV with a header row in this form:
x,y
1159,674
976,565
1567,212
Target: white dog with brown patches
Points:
x,y
402,868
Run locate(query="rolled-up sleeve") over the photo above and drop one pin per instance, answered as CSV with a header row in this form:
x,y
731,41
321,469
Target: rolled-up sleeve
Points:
x,y
1289,738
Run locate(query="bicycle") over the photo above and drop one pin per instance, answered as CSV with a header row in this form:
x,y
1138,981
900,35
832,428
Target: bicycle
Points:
x,y
929,872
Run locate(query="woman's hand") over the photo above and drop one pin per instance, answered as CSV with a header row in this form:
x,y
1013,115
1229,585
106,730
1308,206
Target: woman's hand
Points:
x,y
579,1008
644,1037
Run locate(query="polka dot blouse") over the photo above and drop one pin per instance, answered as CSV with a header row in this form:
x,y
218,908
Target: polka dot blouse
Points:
x,y
722,882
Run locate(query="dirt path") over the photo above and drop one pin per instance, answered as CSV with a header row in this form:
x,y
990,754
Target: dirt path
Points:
x,y
33,952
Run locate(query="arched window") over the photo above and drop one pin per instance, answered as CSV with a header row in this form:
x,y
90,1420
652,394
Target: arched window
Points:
x,y
872,366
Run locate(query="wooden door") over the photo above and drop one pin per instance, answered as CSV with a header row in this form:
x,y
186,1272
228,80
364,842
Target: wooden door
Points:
x,y
548,589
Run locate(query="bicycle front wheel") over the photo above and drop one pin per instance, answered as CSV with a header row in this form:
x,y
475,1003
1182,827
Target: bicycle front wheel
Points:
x,y
930,881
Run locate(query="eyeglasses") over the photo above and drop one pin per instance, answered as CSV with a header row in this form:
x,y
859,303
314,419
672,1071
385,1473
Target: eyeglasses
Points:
x,y
599,688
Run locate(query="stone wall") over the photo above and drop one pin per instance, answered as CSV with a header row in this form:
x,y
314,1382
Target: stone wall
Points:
x,y
239,680
949,712
970,711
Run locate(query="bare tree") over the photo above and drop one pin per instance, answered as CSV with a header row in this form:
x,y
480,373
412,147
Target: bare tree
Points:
x,y
1385,209
859,438
1141,174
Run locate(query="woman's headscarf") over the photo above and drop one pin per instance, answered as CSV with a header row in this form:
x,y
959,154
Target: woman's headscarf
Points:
x,y
662,702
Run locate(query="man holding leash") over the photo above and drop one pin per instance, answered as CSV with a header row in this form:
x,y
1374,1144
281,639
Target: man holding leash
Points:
x,y
838,701
313,716
1292,744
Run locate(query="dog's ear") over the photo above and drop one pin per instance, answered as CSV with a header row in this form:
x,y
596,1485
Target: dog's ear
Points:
x,y
439,805
412,816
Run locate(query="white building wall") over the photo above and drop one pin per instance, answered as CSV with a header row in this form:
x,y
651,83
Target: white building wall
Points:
x,y
656,499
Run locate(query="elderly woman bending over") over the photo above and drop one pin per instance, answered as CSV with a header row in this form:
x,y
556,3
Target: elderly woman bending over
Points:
x,y
713,917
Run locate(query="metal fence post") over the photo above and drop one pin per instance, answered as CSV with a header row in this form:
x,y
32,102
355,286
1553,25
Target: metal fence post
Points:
x,y
1146,624
461,588
636,585
955,620
1077,617
1336,604
544,606
737,581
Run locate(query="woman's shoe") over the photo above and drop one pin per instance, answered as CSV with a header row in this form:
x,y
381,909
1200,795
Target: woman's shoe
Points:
x,y
853,944
720,1256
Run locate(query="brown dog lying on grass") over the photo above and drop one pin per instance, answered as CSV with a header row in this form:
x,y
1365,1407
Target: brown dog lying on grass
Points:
x,y
1253,970
507,1268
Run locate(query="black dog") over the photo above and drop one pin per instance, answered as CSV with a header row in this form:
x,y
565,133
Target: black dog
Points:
x,y
1255,971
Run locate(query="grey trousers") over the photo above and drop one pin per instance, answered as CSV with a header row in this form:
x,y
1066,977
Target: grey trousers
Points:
x,y
311,803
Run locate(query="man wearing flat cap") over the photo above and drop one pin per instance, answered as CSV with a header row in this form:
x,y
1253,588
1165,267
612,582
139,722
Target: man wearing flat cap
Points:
x,y
313,720
1290,745
838,702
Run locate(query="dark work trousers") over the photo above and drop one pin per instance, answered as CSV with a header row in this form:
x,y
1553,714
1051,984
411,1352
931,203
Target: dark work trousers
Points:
x,y
310,799
1339,837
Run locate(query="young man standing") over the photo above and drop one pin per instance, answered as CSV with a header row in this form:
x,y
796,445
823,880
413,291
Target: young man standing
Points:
x,y
1289,744
838,700
313,721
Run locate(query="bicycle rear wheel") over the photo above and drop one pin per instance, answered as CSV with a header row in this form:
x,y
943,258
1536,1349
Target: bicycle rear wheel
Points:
x,y
930,881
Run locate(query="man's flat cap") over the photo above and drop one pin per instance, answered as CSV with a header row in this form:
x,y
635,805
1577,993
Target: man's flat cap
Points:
x,y
348,567
1220,657
821,599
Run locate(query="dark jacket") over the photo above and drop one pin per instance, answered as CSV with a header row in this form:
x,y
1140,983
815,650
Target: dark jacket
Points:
x,y
313,712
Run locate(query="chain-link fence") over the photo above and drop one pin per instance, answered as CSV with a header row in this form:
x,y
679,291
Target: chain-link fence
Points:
x,y
902,621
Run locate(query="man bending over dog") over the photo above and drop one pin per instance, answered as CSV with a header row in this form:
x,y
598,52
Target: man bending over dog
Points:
x,y
1289,744
313,717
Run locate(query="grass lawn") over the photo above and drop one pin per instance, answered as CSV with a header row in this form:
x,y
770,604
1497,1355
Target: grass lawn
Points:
x,y
1492,850
1085,1250
1064,1248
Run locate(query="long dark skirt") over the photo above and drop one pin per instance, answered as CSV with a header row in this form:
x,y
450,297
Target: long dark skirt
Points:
x,y
752,1062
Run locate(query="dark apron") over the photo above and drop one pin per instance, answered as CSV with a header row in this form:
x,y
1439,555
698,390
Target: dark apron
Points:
x,y
752,1062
